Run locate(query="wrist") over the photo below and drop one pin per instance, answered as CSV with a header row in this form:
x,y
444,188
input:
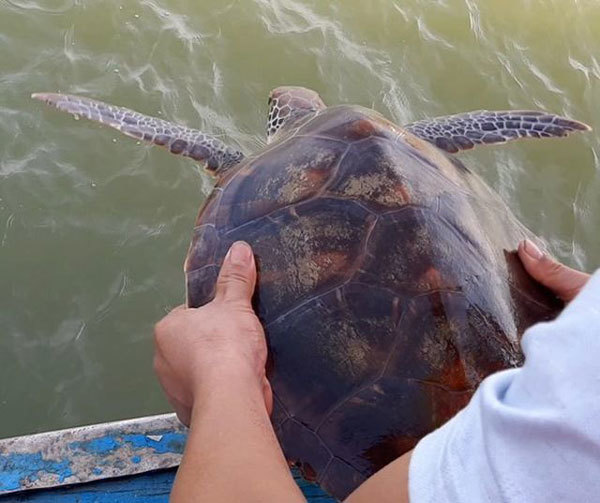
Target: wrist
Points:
x,y
228,394
226,377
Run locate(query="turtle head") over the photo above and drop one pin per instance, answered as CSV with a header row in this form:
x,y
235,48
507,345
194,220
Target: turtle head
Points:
x,y
289,107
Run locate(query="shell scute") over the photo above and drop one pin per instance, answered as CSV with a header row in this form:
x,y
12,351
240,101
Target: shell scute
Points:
x,y
292,172
306,445
407,411
405,246
386,176
200,285
444,355
309,248
203,248
345,337
348,124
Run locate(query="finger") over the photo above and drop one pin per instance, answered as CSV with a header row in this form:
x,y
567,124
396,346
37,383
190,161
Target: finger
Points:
x,y
237,278
562,280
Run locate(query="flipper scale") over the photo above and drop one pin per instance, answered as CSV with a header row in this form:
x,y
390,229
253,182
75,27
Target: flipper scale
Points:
x,y
454,133
179,140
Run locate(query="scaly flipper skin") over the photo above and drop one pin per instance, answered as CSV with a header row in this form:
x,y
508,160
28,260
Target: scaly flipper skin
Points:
x,y
180,140
453,133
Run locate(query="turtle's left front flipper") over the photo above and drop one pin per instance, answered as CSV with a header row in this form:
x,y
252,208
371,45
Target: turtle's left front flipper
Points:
x,y
179,140
453,133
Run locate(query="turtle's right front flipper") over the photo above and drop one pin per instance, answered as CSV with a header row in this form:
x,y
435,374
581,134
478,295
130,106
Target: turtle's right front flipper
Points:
x,y
179,140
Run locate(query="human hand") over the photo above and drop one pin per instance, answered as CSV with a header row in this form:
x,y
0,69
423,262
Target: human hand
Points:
x,y
202,351
562,280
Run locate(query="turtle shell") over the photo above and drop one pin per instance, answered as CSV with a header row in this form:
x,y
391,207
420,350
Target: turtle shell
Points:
x,y
387,286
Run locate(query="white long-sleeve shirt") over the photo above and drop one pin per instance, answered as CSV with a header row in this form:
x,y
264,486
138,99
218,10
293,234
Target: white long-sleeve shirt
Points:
x,y
528,435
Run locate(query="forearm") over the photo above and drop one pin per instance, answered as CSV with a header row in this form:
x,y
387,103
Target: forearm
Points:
x,y
232,453
388,485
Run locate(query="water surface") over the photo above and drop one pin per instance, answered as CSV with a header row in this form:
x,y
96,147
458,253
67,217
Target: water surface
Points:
x,y
94,228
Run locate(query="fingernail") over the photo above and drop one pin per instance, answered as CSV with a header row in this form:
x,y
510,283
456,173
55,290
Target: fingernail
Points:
x,y
240,253
532,250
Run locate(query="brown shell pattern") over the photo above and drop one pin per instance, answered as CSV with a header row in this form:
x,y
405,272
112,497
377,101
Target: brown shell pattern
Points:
x,y
387,286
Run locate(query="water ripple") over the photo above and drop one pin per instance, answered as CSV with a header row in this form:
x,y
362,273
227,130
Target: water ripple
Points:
x,y
47,6
94,228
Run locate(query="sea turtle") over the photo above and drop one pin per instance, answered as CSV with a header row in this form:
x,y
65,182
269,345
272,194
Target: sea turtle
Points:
x,y
387,285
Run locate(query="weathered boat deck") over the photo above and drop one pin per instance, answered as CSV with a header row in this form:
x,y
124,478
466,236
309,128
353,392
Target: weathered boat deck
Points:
x,y
133,460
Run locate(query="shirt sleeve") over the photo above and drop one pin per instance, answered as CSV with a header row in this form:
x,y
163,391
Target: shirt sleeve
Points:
x,y
530,434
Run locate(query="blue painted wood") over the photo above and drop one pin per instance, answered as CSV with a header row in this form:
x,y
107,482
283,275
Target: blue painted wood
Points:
x,y
147,488
88,453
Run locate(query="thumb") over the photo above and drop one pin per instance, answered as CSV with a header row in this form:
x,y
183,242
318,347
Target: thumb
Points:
x,y
237,279
562,280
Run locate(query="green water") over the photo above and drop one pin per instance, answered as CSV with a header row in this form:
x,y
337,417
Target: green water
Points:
x,y
94,228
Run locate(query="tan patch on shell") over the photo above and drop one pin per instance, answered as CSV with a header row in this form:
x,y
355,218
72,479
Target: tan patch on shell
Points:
x,y
441,353
301,180
377,187
347,350
308,267
333,261
304,264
